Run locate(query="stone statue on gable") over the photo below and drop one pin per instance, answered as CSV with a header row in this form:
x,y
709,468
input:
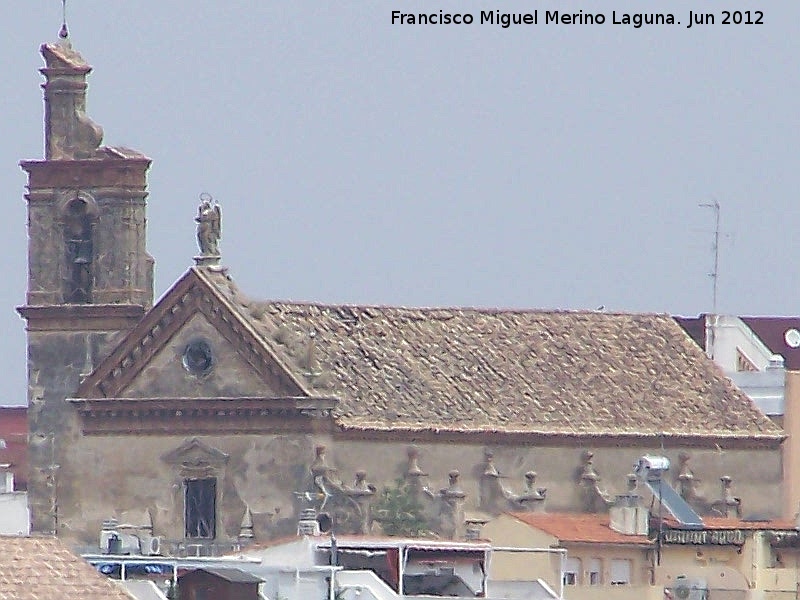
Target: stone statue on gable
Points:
x,y
209,226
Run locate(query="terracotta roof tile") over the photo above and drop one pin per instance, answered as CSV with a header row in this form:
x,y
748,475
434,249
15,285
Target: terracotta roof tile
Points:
x,y
579,528
42,568
464,369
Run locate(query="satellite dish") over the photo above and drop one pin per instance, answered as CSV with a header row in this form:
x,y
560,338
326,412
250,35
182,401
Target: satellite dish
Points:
x,y
792,337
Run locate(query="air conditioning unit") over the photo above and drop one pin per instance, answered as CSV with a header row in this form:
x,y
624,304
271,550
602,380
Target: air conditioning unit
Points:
x,y
150,545
685,588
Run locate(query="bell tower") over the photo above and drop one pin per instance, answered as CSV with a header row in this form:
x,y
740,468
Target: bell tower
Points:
x,y
90,277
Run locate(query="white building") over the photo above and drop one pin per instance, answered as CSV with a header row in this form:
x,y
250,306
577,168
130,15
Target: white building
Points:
x,y
14,515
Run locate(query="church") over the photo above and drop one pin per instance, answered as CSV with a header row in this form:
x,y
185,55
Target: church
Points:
x,y
209,419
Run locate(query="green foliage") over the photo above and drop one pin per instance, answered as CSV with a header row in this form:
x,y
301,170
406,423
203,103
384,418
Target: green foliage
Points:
x,y
399,512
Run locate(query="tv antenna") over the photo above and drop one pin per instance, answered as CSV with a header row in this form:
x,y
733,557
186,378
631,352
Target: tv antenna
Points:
x,y
715,248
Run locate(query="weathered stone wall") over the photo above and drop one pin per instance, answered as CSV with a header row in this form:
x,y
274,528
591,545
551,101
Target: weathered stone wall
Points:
x,y
56,361
129,477
44,271
65,340
123,269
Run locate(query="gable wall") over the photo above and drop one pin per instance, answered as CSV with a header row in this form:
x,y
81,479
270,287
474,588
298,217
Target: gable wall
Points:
x,y
166,376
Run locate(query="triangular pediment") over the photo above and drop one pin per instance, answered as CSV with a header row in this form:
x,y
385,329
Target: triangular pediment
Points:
x,y
199,362
195,454
191,344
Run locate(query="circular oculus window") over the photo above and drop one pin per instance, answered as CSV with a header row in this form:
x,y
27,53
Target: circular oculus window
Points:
x,y
792,337
197,357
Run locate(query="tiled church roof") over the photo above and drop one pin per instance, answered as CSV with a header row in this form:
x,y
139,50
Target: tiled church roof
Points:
x,y
527,371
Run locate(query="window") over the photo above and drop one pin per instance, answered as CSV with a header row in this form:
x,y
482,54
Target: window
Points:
x,y
620,571
197,357
201,508
572,571
595,571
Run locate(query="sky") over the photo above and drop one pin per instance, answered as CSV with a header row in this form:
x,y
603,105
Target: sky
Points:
x,y
356,161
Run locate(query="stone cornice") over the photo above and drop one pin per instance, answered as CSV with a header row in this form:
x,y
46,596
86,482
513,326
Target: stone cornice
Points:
x,y
180,416
81,317
120,172
150,336
104,195
571,440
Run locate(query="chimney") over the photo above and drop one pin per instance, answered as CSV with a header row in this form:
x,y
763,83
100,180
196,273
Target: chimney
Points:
x,y
308,524
776,362
790,449
473,526
628,515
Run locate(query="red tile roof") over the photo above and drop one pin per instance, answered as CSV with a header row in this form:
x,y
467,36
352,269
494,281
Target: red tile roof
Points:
x,y
42,568
579,528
